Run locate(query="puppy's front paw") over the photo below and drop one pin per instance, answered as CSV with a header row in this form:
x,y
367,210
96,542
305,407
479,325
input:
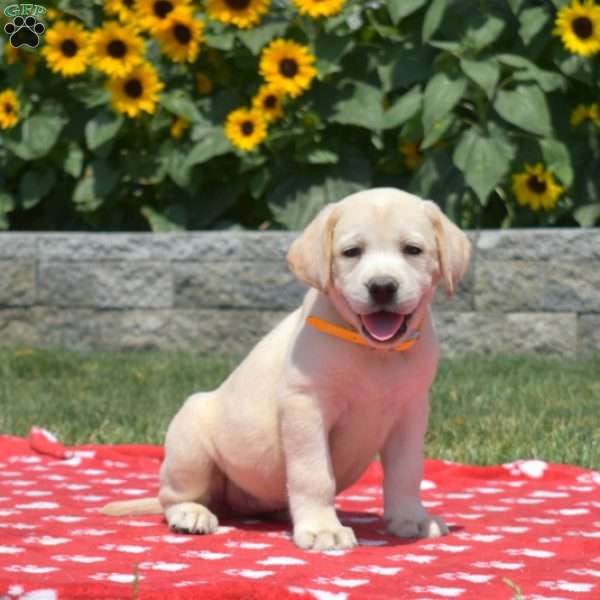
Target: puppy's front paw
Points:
x,y
190,517
332,538
427,526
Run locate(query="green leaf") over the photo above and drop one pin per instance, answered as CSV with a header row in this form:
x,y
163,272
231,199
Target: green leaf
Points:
x,y
7,204
403,109
586,216
441,96
525,107
173,219
300,196
181,104
481,37
173,160
401,68
73,159
532,20
557,159
363,107
98,181
35,184
529,71
329,50
433,19
221,40
515,5
102,128
321,156
484,161
38,135
399,9
213,144
484,73
257,37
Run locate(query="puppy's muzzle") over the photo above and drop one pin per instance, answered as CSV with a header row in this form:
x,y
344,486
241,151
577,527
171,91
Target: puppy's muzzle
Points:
x,y
382,289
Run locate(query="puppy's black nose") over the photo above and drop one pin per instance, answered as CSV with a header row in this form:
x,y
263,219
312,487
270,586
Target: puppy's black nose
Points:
x,y
382,289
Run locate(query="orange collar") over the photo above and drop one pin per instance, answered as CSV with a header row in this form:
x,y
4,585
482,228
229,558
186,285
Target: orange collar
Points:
x,y
353,336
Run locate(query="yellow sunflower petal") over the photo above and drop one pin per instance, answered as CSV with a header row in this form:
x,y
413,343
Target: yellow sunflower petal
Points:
x,y
288,66
536,188
269,102
578,26
9,109
319,8
241,13
180,36
116,49
245,128
153,13
136,92
67,48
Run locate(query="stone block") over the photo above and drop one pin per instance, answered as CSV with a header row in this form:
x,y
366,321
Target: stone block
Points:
x,y
257,284
589,335
123,284
18,327
514,333
17,282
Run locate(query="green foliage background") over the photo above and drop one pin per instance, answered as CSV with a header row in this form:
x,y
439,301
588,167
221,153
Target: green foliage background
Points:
x,y
483,85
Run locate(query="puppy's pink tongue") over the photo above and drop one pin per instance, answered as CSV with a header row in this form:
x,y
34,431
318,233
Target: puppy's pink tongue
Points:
x,y
383,325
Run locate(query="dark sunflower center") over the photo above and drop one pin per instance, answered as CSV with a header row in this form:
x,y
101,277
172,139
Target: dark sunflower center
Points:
x,y
133,88
270,101
238,4
583,27
129,3
162,8
288,67
182,33
536,185
8,109
116,48
68,48
247,127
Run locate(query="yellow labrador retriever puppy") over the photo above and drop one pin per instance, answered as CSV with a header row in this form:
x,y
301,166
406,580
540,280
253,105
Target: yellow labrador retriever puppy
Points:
x,y
342,378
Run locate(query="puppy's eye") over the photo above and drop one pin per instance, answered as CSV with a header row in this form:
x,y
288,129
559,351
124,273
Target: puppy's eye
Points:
x,y
352,252
412,250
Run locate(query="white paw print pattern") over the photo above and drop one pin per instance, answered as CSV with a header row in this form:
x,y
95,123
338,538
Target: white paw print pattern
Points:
x,y
528,522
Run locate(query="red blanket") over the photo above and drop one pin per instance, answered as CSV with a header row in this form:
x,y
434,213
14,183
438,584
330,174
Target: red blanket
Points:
x,y
528,526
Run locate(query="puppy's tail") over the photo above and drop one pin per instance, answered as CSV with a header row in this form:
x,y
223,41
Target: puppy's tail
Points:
x,y
142,506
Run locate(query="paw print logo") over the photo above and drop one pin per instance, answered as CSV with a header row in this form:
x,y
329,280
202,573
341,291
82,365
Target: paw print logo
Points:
x,y
24,32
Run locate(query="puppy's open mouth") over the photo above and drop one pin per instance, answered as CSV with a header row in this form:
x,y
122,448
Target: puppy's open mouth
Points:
x,y
384,326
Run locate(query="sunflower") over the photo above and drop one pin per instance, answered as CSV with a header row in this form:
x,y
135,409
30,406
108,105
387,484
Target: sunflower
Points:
x,y
269,101
123,9
137,91
9,109
319,8
116,49
288,66
578,25
178,127
204,84
241,13
153,13
412,154
14,55
180,35
536,188
585,112
245,128
67,48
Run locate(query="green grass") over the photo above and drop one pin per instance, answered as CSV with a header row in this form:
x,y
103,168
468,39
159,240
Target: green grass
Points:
x,y
485,410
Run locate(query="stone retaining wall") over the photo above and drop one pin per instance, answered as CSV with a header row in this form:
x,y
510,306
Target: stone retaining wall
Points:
x,y
218,292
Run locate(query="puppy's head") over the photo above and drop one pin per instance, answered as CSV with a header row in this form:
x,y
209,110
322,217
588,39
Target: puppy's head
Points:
x,y
379,255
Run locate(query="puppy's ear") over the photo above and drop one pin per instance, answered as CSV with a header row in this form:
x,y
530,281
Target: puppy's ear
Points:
x,y
453,246
309,256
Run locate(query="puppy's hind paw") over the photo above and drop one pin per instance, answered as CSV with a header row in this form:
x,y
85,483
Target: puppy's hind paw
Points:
x,y
190,517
